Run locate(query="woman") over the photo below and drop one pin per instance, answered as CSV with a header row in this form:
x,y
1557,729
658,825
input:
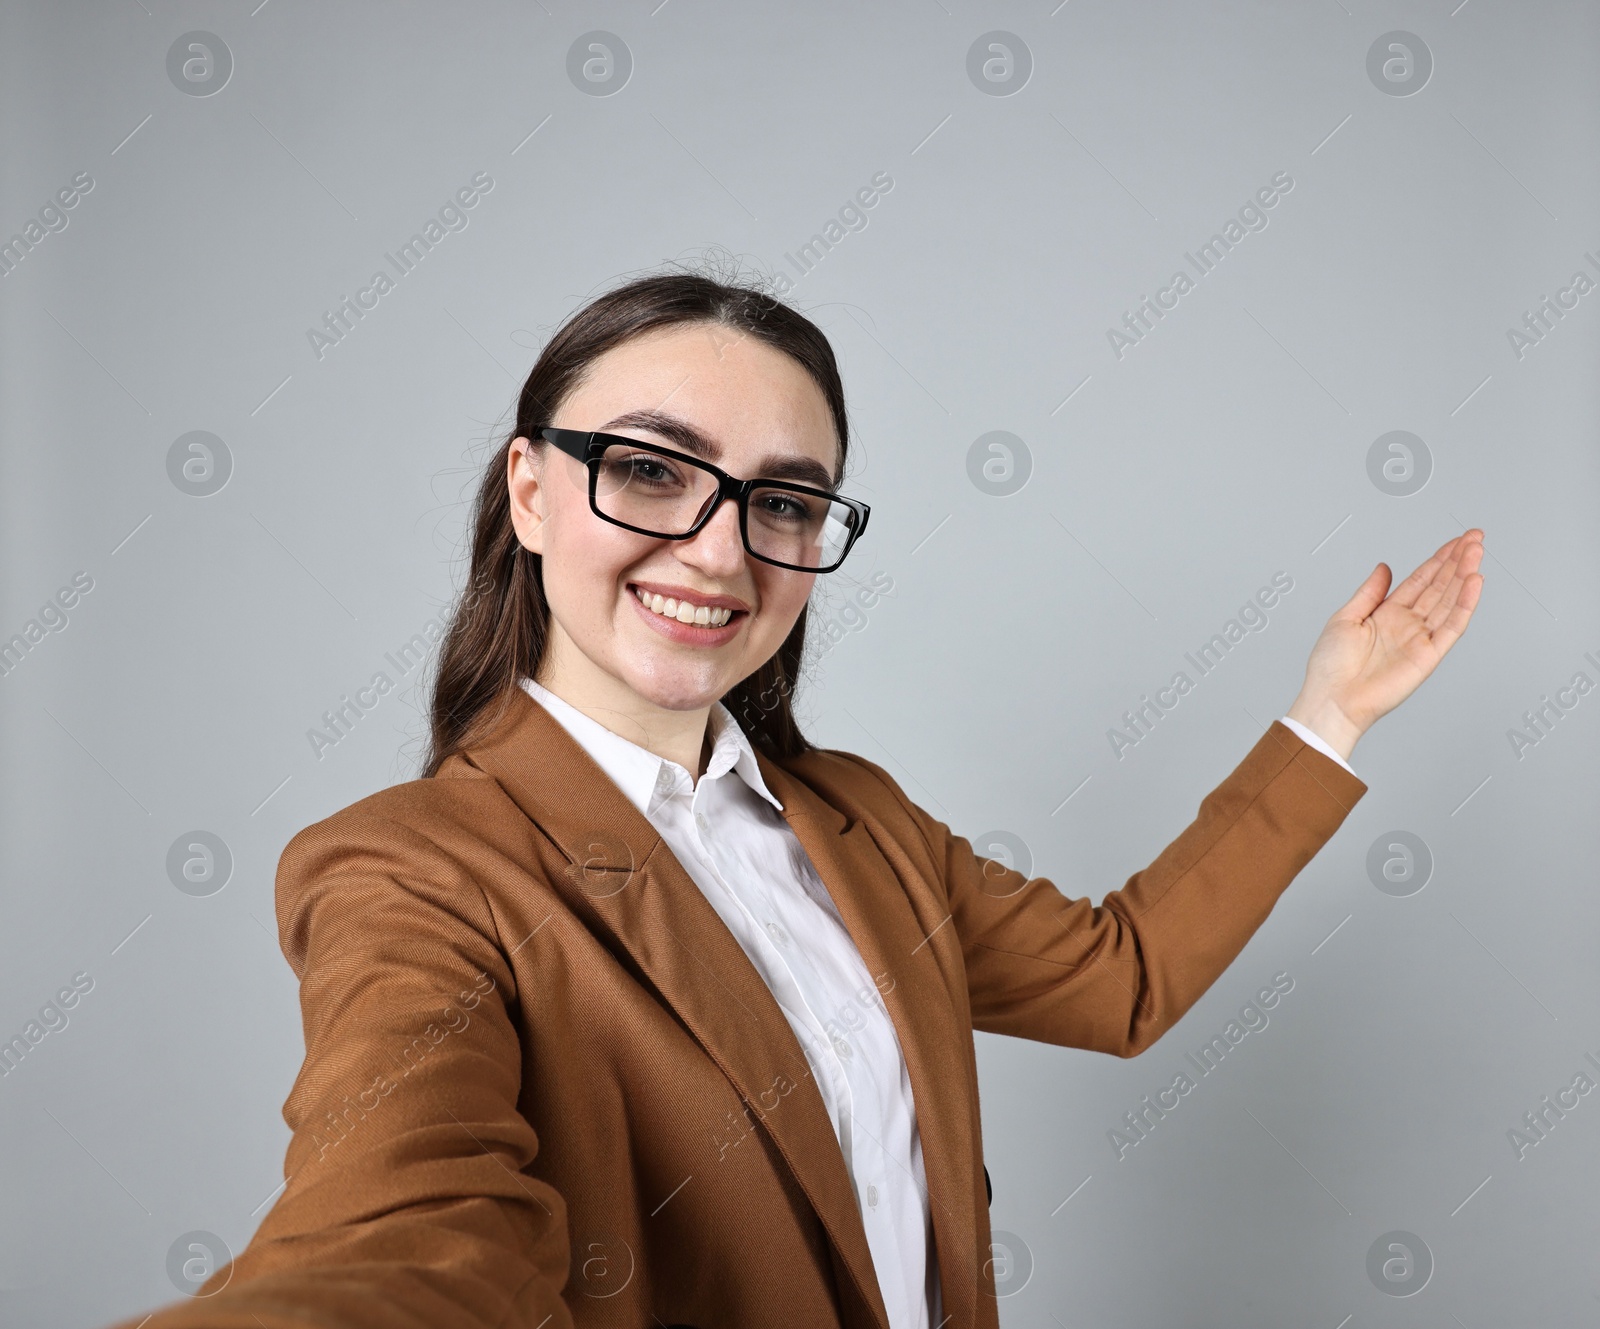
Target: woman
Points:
x,y
639,1009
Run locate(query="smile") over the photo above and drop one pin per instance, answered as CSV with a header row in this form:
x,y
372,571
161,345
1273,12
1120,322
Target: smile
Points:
x,y
683,610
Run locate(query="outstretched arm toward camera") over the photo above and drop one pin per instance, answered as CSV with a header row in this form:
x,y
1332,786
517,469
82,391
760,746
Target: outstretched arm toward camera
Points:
x,y
408,1203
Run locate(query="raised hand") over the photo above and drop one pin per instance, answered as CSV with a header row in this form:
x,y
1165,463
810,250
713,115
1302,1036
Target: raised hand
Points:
x,y
1374,651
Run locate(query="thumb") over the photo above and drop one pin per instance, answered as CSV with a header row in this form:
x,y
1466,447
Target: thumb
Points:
x,y
1369,595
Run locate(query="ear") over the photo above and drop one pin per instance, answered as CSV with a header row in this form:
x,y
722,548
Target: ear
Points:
x,y
525,485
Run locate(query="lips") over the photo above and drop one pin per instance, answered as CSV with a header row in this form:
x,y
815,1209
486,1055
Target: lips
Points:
x,y
693,622
680,593
685,610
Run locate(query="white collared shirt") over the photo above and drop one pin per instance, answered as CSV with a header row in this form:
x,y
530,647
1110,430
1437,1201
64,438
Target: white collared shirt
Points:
x,y
731,838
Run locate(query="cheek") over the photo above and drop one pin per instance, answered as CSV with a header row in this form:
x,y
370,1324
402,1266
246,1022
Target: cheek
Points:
x,y
584,557
782,599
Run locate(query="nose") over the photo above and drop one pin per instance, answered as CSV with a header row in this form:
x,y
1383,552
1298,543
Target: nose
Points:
x,y
717,548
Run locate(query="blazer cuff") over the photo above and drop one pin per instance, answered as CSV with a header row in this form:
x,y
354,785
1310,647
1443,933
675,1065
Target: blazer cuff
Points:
x,y
1315,740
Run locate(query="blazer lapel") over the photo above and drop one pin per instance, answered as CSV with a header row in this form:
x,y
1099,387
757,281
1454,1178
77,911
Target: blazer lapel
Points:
x,y
624,883
896,943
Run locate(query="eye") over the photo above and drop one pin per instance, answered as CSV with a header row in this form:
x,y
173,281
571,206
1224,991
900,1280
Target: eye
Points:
x,y
645,467
785,507
638,471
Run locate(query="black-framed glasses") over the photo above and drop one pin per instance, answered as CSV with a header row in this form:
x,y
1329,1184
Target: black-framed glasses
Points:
x,y
653,490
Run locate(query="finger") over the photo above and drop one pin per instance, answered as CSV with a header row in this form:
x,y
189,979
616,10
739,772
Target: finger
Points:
x,y
1413,587
1439,587
1369,595
1465,565
1435,602
1446,636
1406,593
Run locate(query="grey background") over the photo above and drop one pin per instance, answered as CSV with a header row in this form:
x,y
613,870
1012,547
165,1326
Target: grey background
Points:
x,y
1164,489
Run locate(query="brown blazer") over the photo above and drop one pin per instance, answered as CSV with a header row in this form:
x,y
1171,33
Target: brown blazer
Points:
x,y
544,1086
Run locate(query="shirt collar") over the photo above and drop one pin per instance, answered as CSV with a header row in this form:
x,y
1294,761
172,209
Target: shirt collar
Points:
x,y
643,776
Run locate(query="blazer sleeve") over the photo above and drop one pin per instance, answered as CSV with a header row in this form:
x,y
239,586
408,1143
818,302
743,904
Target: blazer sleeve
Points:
x,y
407,1204
1115,977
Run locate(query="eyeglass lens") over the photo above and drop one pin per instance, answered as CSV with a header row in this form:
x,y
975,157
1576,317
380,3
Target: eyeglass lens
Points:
x,y
658,494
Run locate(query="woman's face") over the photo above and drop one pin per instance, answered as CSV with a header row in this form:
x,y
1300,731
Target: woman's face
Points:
x,y
752,405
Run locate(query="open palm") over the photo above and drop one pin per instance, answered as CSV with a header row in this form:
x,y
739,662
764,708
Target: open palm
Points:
x,y
1376,650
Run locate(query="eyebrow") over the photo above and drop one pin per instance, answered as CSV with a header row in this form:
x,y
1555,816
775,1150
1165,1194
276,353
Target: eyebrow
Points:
x,y
775,466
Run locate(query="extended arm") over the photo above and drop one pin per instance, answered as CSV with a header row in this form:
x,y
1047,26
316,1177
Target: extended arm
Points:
x,y
1116,976
407,1203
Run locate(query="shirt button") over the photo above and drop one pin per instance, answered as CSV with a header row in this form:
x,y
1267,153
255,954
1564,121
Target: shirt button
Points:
x,y
842,1048
701,822
778,934
872,1197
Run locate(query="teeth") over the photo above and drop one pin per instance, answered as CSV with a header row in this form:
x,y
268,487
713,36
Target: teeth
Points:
x,y
683,611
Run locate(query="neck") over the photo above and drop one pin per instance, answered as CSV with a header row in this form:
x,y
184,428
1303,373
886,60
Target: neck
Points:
x,y
680,736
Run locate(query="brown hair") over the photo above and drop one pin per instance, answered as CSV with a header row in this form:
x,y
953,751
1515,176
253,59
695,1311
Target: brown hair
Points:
x,y
500,621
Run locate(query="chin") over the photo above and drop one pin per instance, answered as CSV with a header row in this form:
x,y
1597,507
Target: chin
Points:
x,y
678,694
